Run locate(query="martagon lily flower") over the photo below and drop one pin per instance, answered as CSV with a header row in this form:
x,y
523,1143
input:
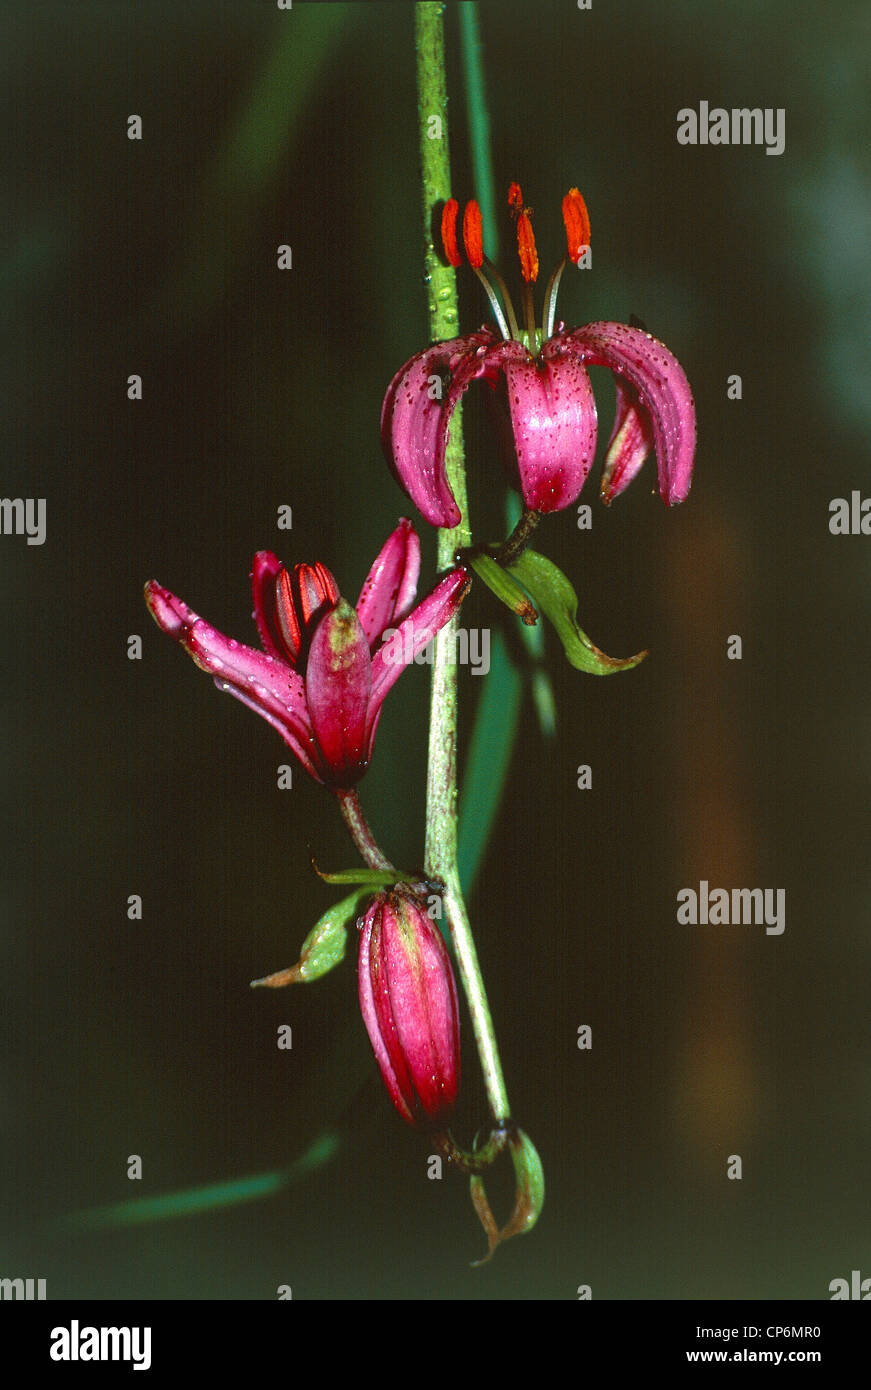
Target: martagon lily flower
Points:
x,y
322,677
551,403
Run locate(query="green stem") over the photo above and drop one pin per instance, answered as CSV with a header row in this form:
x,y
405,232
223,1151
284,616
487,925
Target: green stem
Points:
x,y
479,1160
441,815
519,539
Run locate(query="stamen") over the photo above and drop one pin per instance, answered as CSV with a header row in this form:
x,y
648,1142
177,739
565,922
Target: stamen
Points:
x,y
506,331
526,248
449,232
577,224
515,199
473,237
508,321
550,295
474,243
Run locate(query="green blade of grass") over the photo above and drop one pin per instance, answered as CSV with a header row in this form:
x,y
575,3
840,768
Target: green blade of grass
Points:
x,y
193,1201
488,759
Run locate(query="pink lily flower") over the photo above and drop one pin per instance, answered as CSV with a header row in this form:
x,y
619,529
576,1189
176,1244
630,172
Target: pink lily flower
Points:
x,y
550,400
322,676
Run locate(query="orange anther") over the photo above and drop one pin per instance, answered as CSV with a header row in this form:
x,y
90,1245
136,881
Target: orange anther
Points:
x,y
577,221
449,231
472,234
526,248
515,199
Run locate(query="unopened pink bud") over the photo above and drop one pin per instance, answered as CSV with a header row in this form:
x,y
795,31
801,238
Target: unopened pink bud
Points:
x,y
409,1002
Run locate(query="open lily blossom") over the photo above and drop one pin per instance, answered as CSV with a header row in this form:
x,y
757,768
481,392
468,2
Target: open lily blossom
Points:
x,y
550,399
322,676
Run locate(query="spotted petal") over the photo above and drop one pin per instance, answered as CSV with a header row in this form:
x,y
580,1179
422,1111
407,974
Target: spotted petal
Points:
x,y
261,681
630,443
662,393
415,417
553,416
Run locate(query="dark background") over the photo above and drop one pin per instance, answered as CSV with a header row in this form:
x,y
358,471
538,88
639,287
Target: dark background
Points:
x,y
263,388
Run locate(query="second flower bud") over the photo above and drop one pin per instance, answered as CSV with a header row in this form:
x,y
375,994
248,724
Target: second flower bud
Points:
x,y
408,999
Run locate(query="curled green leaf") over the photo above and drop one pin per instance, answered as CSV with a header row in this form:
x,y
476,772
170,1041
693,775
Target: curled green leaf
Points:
x,y
323,948
528,1195
553,594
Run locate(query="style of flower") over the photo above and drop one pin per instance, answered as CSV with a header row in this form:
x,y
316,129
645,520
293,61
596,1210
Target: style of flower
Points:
x,y
322,677
408,999
550,399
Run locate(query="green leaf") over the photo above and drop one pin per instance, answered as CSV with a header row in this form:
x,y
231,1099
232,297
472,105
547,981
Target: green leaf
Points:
x,y
545,705
533,641
488,758
323,948
503,586
554,596
528,1195
259,141
193,1201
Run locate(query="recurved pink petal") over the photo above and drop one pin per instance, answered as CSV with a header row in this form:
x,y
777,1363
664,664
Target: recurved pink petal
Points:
x,y
296,735
391,584
170,613
663,392
261,681
553,416
415,418
411,636
338,681
630,443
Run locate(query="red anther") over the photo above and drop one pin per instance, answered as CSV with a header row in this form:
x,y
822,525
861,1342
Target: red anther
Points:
x,y
472,234
577,223
449,231
526,248
515,199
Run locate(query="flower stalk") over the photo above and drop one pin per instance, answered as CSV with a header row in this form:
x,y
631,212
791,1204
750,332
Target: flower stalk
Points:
x,y
441,802
358,828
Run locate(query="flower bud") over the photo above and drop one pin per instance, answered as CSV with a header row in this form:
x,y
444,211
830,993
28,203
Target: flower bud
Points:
x,y
409,1002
